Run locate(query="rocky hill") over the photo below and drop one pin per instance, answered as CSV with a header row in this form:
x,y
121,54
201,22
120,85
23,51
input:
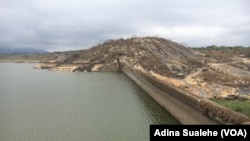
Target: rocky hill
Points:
x,y
166,60
160,55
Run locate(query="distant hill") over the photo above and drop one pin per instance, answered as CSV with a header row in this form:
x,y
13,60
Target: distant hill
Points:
x,y
20,50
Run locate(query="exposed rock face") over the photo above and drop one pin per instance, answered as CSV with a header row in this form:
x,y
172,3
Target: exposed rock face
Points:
x,y
171,62
45,66
163,56
230,70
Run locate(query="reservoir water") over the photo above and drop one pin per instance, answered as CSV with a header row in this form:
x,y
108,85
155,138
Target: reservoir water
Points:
x,y
40,105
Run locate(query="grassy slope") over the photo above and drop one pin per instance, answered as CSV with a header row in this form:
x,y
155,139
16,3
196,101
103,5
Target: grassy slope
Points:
x,y
236,105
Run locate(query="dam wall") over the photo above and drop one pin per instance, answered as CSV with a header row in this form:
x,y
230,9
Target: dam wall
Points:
x,y
186,108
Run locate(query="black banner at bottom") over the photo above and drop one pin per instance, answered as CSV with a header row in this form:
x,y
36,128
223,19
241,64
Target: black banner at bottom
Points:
x,y
218,132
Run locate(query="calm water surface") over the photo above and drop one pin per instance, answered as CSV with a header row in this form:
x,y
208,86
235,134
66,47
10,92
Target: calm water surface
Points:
x,y
39,105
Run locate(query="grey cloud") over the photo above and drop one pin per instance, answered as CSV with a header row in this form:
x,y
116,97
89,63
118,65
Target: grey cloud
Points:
x,y
77,24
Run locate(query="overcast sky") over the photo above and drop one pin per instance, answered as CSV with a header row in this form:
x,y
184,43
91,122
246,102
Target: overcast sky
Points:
x,y
57,25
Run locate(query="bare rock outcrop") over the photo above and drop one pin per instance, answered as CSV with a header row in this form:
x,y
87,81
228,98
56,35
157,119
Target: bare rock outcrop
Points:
x,y
230,70
163,56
